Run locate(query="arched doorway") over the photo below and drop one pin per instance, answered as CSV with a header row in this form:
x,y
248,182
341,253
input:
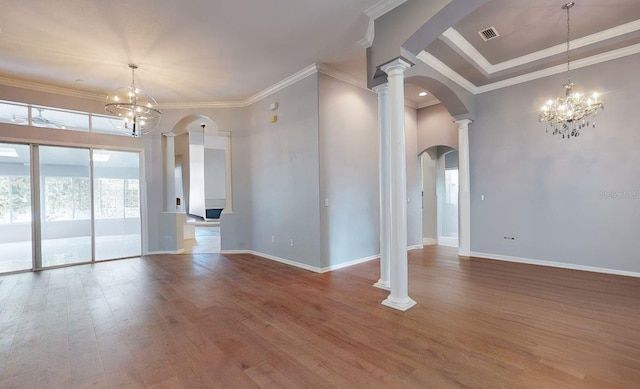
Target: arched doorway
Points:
x,y
202,181
440,196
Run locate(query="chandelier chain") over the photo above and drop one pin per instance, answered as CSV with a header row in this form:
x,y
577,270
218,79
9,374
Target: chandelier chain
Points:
x,y
568,47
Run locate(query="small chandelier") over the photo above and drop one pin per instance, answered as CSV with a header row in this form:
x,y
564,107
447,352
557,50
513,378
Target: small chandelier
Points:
x,y
138,110
567,115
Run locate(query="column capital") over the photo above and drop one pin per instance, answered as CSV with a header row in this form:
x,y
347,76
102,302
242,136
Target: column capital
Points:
x,y
463,123
169,134
381,89
397,66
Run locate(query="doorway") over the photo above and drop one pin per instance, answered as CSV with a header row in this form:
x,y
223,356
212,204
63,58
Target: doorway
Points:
x,y
440,196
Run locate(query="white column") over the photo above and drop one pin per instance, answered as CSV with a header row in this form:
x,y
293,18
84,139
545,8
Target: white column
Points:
x,y
399,276
170,172
385,188
464,194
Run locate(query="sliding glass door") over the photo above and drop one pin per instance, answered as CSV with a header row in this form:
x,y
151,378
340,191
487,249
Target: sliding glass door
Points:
x,y
116,190
65,212
15,208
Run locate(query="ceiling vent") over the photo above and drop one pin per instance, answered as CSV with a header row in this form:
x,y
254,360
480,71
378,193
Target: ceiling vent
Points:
x,y
489,33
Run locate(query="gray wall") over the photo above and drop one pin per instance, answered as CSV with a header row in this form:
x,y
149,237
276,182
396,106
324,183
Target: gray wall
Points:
x,y
214,171
348,172
429,199
414,178
553,195
436,128
285,174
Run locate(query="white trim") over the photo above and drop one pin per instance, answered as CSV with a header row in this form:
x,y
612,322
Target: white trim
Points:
x,y
302,265
580,63
367,41
382,7
329,71
454,38
204,105
446,71
560,265
415,247
302,74
350,263
181,251
35,86
448,241
429,241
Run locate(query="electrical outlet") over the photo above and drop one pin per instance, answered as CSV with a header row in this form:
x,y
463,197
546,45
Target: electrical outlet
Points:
x,y
273,239
291,242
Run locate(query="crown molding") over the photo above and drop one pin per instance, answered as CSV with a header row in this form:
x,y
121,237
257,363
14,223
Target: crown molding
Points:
x,y
34,86
455,40
580,63
302,74
374,12
203,105
329,71
367,41
382,7
446,71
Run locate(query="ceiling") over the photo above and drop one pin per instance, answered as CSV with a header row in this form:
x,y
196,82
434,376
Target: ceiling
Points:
x,y
195,51
532,38
226,51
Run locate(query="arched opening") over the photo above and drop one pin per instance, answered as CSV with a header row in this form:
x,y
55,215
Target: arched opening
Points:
x,y
440,196
202,180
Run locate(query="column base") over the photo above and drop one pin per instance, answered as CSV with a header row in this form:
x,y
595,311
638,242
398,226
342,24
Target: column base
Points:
x,y
386,285
399,304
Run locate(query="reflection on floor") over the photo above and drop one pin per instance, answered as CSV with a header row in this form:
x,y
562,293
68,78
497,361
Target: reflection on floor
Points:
x,y
207,240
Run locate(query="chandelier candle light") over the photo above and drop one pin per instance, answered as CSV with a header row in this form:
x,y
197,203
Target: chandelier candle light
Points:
x,y
138,110
567,115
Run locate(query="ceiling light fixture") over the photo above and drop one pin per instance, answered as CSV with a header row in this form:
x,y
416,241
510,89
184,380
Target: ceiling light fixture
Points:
x,y
567,115
422,94
138,110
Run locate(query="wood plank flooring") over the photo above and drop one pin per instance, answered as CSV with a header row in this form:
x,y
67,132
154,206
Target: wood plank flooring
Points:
x,y
239,321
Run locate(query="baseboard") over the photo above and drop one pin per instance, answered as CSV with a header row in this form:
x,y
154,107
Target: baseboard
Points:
x,y
302,265
181,251
350,263
429,241
415,247
560,265
447,241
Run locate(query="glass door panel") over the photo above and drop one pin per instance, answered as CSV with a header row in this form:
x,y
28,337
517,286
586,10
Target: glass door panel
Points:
x,y
116,192
15,208
65,194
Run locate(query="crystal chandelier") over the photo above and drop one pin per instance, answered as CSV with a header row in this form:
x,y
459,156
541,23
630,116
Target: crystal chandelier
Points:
x,y
567,115
138,110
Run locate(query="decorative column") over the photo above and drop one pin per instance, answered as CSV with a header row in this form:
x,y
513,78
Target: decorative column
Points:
x,y
464,193
170,172
399,276
385,188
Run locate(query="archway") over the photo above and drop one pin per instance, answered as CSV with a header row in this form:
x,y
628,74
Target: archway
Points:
x,y
202,180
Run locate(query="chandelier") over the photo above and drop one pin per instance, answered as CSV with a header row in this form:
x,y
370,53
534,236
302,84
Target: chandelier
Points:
x,y
567,115
138,110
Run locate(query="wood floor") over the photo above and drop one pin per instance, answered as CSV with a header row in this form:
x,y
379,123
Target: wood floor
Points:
x,y
202,320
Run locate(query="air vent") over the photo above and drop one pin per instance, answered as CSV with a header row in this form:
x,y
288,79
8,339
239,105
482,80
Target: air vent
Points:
x,y
489,33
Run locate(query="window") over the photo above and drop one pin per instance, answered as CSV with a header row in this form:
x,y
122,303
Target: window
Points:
x,y
117,198
15,199
67,198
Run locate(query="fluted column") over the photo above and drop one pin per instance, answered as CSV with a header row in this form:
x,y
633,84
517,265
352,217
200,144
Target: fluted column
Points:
x,y
399,276
170,172
385,188
464,193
